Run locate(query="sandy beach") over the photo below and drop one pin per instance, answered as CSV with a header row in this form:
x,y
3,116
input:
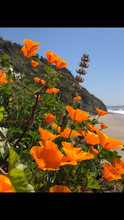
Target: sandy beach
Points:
x,y
115,128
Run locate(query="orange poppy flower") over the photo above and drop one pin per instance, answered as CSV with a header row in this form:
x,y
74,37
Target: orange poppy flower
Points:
x,y
93,151
111,173
11,80
53,90
118,164
101,112
10,99
91,127
34,64
47,135
3,78
108,143
37,80
59,188
5,184
77,115
58,128
30,47
77,98
48,156
49,118
53,58
74,153
66,132
42,82
60,63
90,138
103,126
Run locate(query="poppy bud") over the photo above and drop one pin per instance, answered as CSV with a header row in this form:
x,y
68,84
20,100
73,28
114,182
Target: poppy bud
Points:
x,y
61,114
81,71
83,64
70,101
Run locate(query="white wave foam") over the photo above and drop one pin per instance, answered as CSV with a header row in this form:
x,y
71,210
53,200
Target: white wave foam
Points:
x,y
118,111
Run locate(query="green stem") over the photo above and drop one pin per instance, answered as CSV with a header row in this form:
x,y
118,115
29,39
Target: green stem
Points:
x,y
15,59
70,168
34,175
71,129
42,178
101,186
23,68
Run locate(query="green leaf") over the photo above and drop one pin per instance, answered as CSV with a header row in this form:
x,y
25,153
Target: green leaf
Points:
x,y
1,116
13,159
1,108
92,183
110,155
32,87
5,57
94,121
33,134
5,64
18,180
9,74
48,69
7,90
50,101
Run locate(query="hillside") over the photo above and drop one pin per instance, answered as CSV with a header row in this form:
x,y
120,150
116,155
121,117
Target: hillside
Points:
x,y
88,102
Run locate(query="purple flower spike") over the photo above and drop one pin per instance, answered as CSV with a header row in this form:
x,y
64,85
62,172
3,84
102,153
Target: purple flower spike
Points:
x,y
81,71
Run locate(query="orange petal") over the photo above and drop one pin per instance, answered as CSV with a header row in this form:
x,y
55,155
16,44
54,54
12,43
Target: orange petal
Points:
x,y
101,112
24,50
5,184
49,118
110,173
93,151
47,135
57,127
59,188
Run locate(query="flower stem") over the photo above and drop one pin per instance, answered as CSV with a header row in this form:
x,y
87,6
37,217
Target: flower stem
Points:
x,y
15,59
70,168
23,68
42,178
34,175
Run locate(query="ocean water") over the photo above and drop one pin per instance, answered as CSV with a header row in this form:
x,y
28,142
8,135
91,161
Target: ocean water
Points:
x,y
117,110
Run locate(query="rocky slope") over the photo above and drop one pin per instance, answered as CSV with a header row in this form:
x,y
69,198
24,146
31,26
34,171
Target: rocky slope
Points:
x,y
88,103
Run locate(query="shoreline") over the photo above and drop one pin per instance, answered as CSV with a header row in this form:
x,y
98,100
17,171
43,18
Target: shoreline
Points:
x,y
115,128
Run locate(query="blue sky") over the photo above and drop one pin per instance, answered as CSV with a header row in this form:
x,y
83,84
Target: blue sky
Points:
x,y
105,46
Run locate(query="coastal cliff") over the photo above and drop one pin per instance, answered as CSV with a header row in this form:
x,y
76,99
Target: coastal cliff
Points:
x,y
88,101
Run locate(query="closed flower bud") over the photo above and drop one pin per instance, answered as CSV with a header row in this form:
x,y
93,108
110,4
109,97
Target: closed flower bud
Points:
x,y
79,79
70,101
85,59
61,114
74,94
81,71
77,86
83,64
85,55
